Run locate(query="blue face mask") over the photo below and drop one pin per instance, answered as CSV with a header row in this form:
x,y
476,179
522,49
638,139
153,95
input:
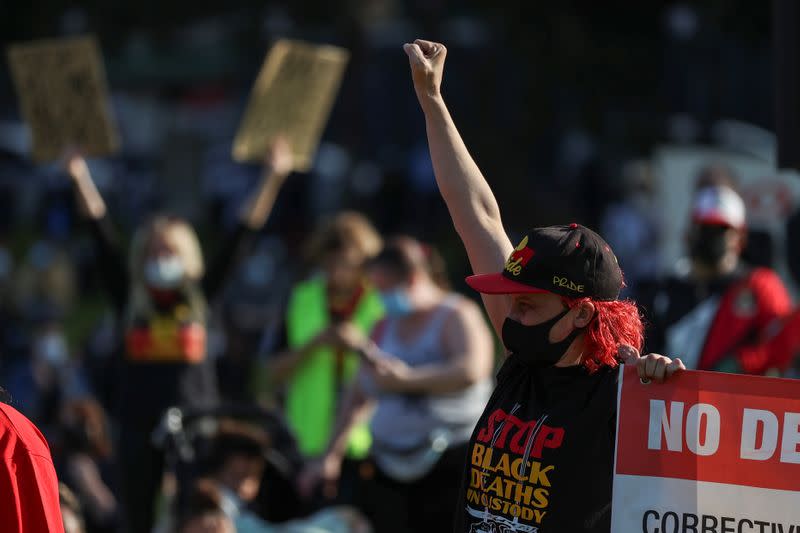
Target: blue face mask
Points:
x,y
396,302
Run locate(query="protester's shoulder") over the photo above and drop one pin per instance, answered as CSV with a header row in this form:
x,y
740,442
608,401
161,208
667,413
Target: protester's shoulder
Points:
x,y
461,304
609,375
607,385
312,283
764,278
510,368
23,431
462,309
311,288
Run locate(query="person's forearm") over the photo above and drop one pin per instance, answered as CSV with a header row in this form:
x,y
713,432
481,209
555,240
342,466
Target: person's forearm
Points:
x,y
282,365
259,207
431,378
439,379
89,199
354,409
461,183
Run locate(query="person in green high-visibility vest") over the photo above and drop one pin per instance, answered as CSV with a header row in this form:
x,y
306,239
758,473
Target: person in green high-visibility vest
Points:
x,y
316,367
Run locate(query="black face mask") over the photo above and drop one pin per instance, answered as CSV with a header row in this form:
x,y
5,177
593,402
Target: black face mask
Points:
x,y
532,343
707,245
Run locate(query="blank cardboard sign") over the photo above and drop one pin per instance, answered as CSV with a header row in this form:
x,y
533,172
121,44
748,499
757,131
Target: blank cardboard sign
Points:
x,y
292,97
63,96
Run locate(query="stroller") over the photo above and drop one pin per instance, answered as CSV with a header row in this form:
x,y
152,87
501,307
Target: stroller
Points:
x,y
187,435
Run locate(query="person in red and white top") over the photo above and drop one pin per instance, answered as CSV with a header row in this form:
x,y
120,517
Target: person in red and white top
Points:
x,y
28,484
717,312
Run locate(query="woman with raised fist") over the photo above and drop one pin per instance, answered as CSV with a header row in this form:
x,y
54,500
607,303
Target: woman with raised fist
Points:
x,y
541,456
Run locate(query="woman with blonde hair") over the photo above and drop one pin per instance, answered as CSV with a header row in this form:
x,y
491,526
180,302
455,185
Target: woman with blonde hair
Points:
x,y
161,296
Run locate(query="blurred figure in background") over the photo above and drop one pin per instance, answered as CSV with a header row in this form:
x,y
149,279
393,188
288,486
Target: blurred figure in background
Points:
x,y
252,316
161,294
427,374
204,512
83,463
236,464
631,228
718,313
316,365
70,510
41,383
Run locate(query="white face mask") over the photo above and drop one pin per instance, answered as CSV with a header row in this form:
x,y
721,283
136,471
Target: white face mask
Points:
x,y
164,272
52,348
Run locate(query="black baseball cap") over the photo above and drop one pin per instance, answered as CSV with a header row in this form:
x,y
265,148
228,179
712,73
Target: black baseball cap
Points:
x,y
571,261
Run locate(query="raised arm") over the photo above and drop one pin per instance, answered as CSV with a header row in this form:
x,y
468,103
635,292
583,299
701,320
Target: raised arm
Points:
x,y
111,258
469,199
255,211
89,200
277,166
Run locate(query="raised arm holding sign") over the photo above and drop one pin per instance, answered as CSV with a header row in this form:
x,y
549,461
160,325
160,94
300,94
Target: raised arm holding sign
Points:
x,y
161,290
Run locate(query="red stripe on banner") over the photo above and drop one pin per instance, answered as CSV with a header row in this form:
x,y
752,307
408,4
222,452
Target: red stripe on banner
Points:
x,y
708,426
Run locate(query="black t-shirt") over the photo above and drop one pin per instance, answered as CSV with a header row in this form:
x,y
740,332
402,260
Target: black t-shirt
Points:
x,y
541,457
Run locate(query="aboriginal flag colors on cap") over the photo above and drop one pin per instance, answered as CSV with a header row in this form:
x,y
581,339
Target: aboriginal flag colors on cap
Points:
x,y
571,261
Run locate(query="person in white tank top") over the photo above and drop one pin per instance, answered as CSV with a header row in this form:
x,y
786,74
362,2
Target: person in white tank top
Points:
x,y
425,376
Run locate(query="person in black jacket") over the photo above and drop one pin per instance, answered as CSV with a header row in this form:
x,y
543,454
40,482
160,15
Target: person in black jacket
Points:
x,y
160,291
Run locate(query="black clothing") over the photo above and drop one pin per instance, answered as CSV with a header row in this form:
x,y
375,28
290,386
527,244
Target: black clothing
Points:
x,y
146,388
425,504
664,302
542,453
792,237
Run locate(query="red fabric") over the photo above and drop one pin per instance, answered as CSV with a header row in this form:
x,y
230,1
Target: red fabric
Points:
x,y
175,342
747,325
28,484
344,310
777,352
497,283
341,312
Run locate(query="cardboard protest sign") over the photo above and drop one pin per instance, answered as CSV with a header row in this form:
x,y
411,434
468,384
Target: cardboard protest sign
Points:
x,y
63,95
292,96
707,453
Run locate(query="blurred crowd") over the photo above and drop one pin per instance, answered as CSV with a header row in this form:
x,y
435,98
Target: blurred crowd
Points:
x,y
198,366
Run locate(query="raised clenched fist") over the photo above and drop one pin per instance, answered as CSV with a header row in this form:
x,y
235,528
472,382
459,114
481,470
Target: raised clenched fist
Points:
x,y
427,65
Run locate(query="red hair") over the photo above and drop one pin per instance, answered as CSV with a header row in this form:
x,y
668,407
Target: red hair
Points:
x,y
616,322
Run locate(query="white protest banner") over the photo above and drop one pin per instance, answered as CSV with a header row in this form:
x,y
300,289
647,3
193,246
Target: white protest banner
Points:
x,y
707,453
